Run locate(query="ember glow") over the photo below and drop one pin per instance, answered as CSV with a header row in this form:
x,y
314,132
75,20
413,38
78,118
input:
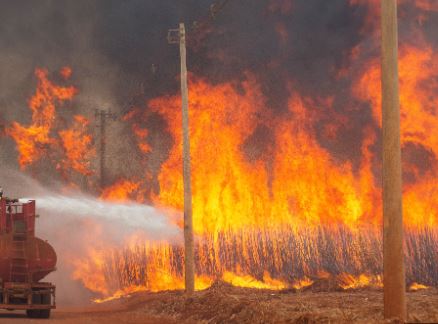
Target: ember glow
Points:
x,y
274,205
415,287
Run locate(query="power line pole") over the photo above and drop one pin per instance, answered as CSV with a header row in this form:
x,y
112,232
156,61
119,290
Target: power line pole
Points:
x,y
102,116
393,257
176,36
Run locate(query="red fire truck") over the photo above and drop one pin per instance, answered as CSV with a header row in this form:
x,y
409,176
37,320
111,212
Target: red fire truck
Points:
x,y
24,261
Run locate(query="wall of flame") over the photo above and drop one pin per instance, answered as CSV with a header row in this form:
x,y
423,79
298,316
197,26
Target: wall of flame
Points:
x,y
284,191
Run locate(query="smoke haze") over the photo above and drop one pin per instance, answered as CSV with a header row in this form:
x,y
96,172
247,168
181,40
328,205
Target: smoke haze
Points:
x,y
112,45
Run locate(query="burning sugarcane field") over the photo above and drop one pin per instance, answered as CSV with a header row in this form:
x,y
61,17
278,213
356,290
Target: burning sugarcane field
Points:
x,y
219,161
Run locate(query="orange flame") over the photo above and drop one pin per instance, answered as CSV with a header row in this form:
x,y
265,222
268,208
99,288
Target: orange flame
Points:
x,y
76,144
121,191
85,271
416,286
353,282
32,140
254,196
248,281
230,191
302,283
418,70
236,191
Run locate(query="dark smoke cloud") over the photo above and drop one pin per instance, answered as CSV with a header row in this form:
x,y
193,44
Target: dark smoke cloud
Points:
x,y
118,41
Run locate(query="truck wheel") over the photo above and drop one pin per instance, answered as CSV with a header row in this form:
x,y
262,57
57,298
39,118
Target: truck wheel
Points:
x,y
45,300
44,313
33,313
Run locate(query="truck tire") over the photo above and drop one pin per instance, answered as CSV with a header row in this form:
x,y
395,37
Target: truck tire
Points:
x,y
40,300
34,313
45,300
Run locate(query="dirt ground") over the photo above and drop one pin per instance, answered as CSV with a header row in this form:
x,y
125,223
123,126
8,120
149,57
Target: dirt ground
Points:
x,y
225,304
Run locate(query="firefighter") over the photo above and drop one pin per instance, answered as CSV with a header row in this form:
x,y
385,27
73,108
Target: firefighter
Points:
x,y
1,192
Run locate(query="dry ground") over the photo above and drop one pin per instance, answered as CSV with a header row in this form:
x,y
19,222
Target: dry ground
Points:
x,y
225,304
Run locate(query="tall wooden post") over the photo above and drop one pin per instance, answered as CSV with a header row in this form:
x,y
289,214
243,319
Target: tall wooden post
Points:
x,y
178,36
393,257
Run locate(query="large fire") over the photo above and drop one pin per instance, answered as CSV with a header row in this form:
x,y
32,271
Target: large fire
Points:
x,y
69,149
272,207
270,221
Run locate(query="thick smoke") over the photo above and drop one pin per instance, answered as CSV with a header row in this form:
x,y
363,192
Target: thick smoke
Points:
x,y
111,46
120,58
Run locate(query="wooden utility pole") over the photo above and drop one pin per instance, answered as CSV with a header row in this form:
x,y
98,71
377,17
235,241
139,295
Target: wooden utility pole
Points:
x,y
189,254
102,116
393,257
